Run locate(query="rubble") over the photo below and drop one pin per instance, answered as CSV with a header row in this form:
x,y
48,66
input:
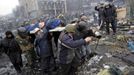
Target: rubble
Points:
x,y
131,32
7,69
108,55
109,48
94,60
112,50
91,66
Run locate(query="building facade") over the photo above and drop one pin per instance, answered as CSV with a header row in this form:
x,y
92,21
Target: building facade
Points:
x,y
81,6
52,7
30,8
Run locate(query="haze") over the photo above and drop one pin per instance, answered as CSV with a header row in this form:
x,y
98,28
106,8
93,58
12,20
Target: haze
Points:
x,y
6,6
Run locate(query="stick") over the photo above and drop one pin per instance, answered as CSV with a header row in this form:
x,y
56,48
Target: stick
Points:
x,y
97,44
101,24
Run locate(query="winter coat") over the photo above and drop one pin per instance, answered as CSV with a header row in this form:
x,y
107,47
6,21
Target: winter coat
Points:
x,y
100,12
66,48
42,44
110,14
13,50
10,46
25,45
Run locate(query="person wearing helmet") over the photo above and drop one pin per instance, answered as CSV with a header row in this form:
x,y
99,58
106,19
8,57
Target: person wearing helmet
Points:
x,y
62,18
26,46
82,31
66,50
83,18
74,21
110,15
82,14
100,9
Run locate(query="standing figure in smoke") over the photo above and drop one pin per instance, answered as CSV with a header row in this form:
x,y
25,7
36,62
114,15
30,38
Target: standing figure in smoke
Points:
x,y
110,15
100,8
13,50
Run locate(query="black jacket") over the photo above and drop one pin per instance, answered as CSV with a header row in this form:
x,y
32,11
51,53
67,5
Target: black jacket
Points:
x,y
100,12
10,46
110,14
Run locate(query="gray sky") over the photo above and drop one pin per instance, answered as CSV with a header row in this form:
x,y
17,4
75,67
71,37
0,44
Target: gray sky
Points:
x,y
6,6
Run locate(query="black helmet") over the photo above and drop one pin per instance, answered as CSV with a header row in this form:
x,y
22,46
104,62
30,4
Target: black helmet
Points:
x,y
81,26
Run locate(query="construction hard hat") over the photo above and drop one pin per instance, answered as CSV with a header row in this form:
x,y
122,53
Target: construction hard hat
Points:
x,y
70,28
81,26
84,18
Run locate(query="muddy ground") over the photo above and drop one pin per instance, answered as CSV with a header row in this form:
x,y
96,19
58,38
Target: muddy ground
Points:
x,y
110,52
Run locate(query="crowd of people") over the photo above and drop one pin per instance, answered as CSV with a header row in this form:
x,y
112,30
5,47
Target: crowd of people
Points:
x,y
107,15
71,45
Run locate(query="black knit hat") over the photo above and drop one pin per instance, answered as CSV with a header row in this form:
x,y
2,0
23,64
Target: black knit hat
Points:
x,y
81,26
8,33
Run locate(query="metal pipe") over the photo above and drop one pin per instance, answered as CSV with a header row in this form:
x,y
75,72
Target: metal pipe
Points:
x,y
97,44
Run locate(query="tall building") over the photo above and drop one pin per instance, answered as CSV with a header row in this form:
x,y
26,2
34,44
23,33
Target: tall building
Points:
x,y
30,8
73,6
80,6
52,7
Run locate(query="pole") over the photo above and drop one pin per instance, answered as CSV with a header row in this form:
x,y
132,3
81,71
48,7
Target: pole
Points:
x,y
101,24
97,44
65,6
55,7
